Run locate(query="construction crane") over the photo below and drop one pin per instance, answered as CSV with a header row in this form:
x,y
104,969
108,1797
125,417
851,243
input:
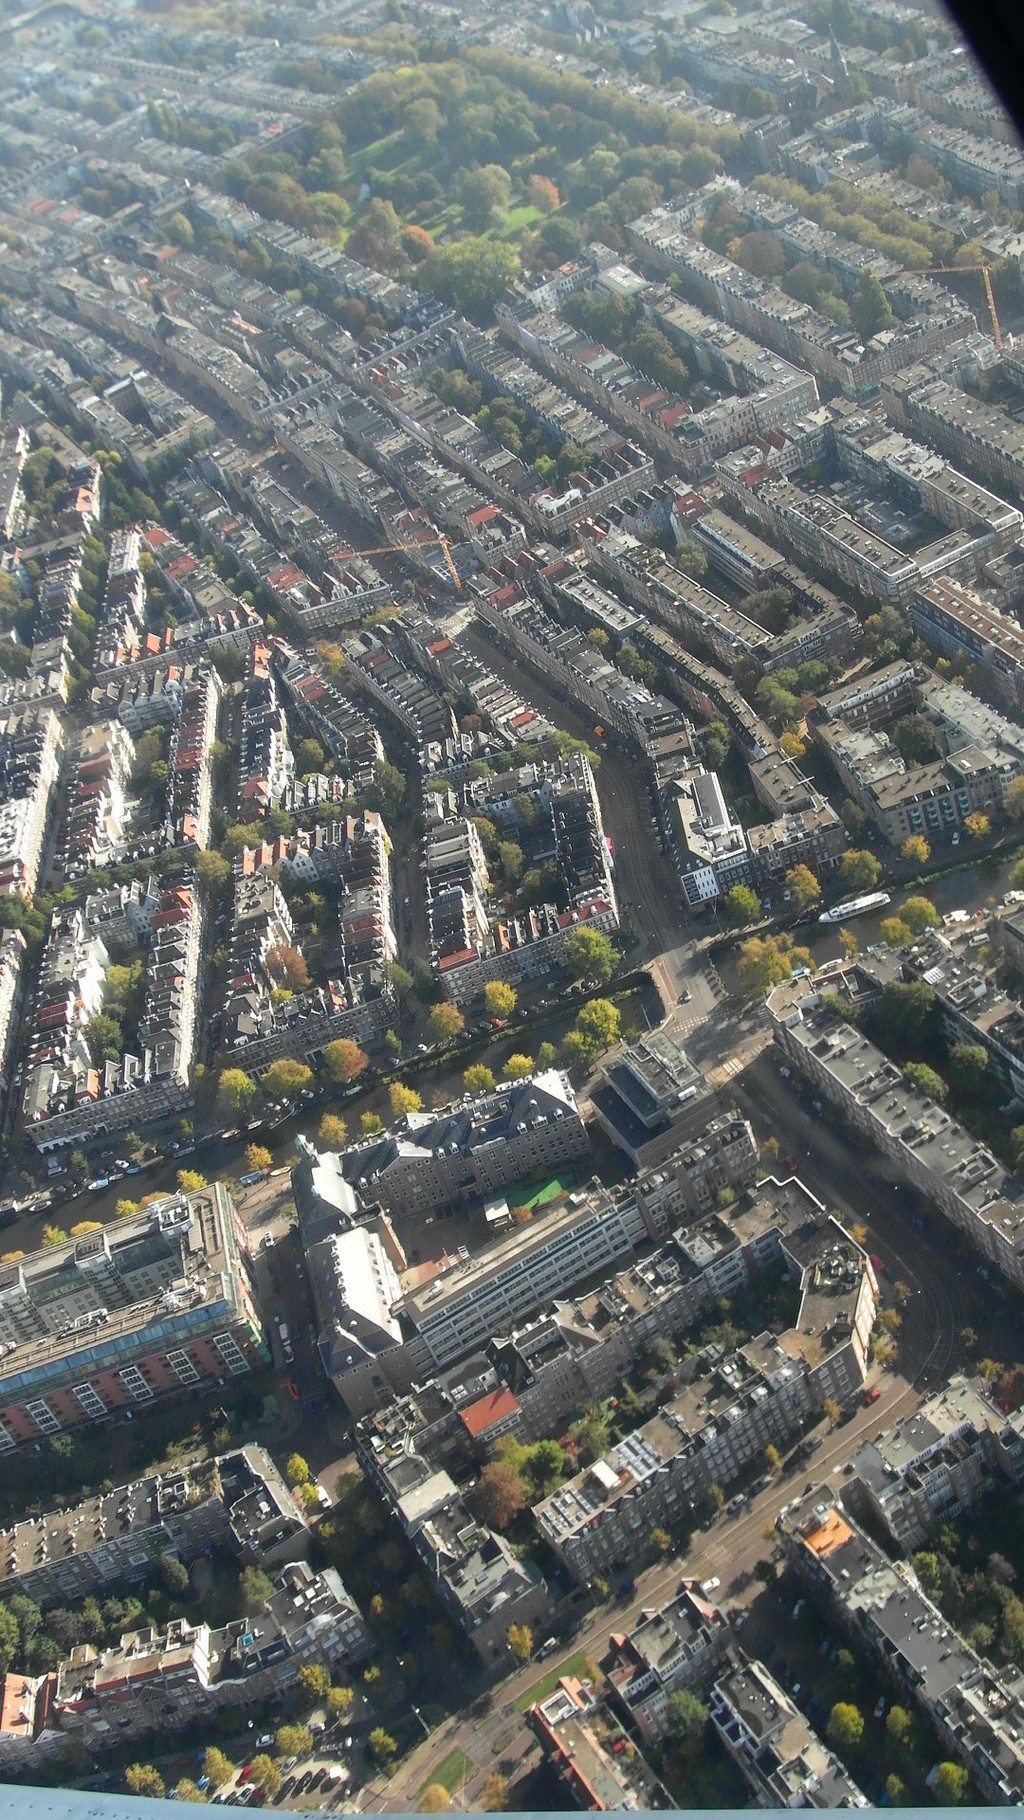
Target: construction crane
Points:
x,y
930,271
427,543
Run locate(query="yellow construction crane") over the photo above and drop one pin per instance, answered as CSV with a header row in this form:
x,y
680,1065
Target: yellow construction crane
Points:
x,y
427,543
929,271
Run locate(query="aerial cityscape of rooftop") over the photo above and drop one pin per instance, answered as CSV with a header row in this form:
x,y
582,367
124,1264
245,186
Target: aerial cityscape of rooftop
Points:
x,y
511,907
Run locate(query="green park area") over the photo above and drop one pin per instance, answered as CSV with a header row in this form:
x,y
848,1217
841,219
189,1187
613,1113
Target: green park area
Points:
x,y
576,1664
452,1772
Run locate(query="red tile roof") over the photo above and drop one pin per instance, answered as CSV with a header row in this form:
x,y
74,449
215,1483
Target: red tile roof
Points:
x,y
496,1406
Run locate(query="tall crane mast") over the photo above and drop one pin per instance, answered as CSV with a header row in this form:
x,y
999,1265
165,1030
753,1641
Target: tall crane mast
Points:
x,y
427,543
986,275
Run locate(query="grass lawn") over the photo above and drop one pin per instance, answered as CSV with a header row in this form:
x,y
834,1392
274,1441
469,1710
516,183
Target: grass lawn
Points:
x,y
523,215
550,1191
358,160
452,1771
571,1665
534,1193
634,1024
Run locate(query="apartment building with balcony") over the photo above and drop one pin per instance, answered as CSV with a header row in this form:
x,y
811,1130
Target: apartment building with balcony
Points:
x,y
733,548
792,329
116,1319
328,714
873,699
471,1151
932,799
599,1768
957,622
714,1432
185,1671
971,431
764,393
976,1711
238,1501
575,669
682,1644
873,451
99,811
601,1520
925,1144
936,1463
482,1582
553,1355
654,585
67,1098
518,1273
266,765
32,745
783,1761
190,761
578,1351
820,531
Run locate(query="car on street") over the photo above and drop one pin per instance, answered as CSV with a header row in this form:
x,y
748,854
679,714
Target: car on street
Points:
x,y
710,1586
871,1396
